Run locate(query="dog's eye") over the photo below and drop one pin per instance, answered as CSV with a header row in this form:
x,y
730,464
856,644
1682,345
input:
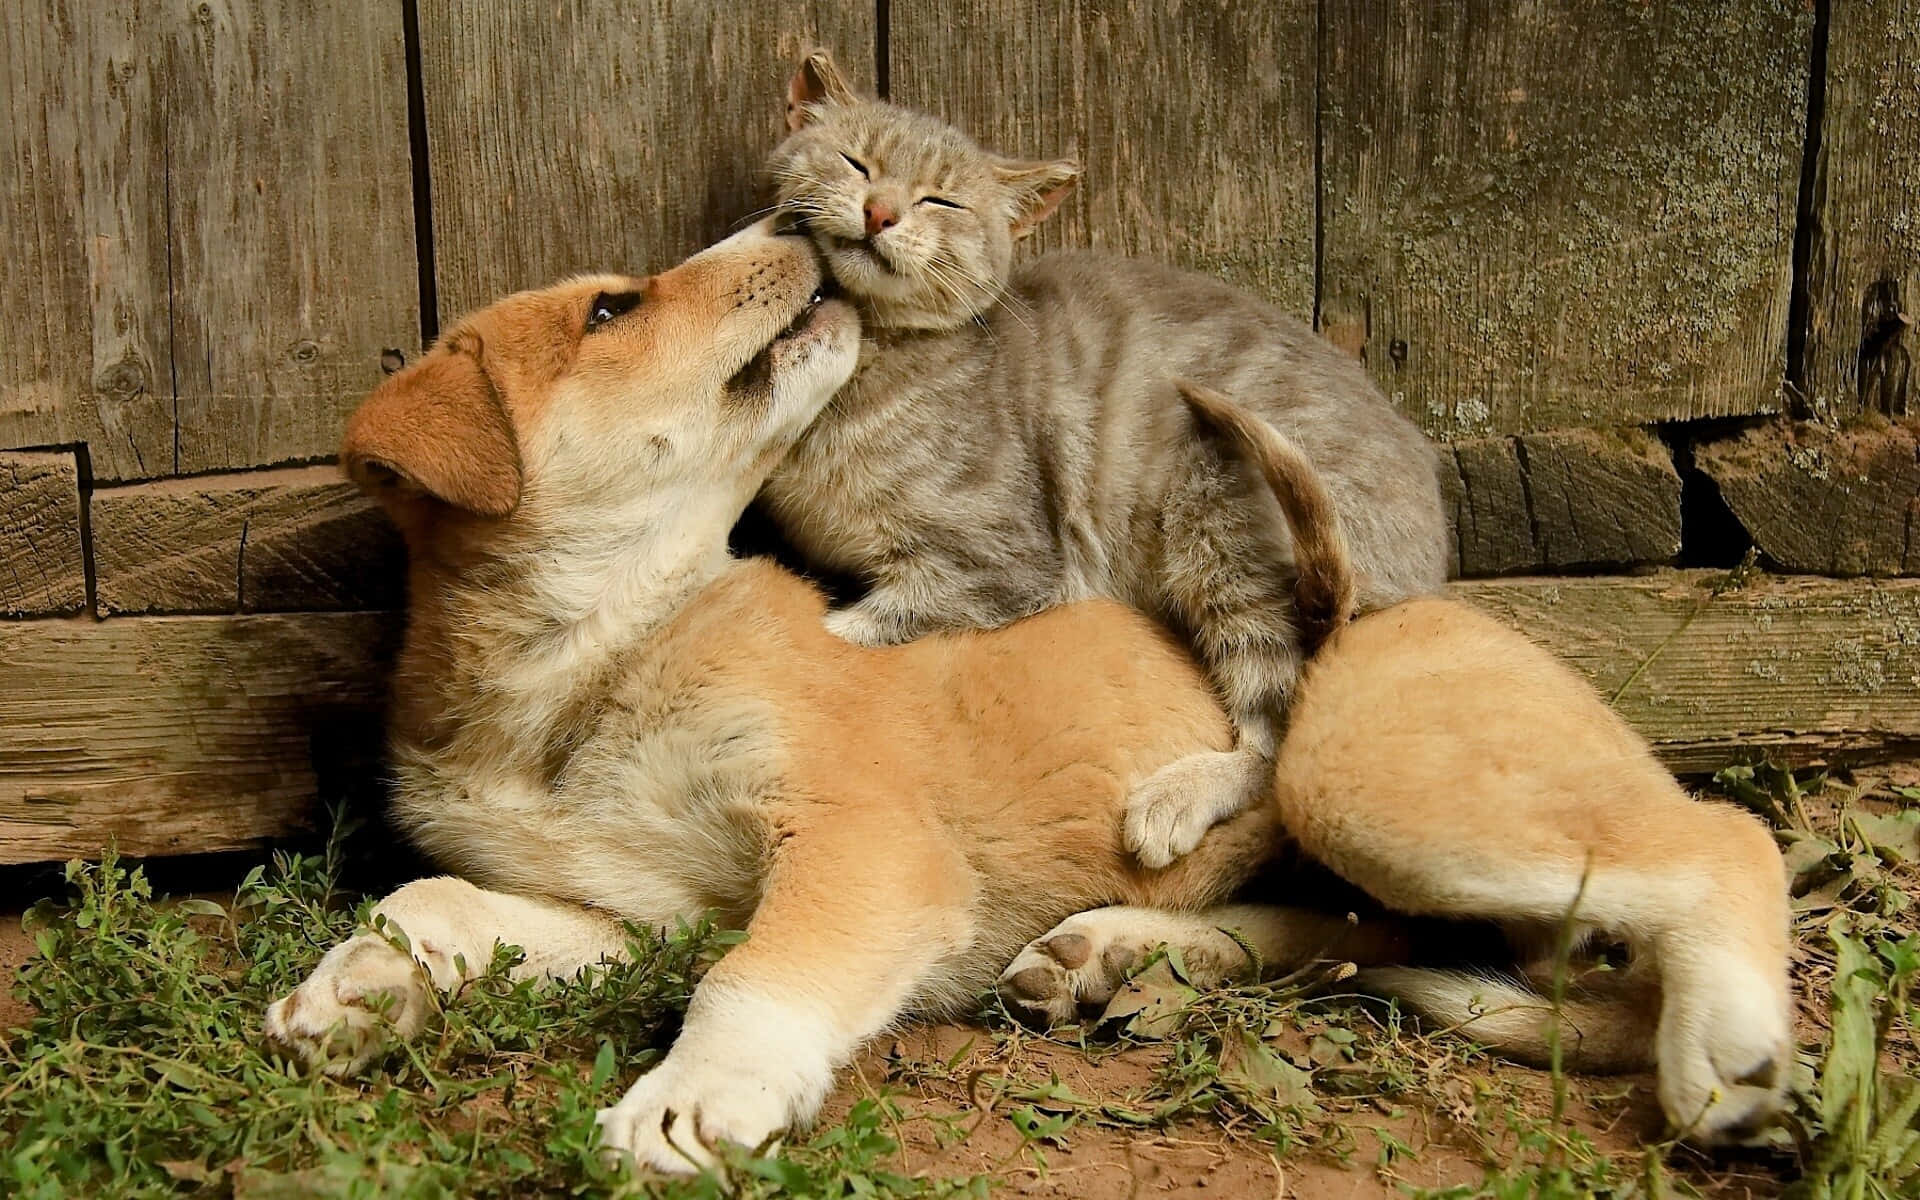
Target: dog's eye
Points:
x,y
608,305
942,201
856,164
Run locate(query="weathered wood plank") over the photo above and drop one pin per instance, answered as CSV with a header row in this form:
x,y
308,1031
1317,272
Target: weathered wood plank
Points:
x,y
578,136
1570,498
208,240
1802,670
1832,502
1543,216
183,734
84,352
257,541
174,735
292,217
43,564
1194,122
1863,277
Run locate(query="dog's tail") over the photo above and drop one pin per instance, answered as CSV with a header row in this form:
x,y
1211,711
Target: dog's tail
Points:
x,y
1324,594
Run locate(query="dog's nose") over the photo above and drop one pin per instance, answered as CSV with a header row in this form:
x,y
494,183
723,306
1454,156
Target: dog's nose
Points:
x,y
880,216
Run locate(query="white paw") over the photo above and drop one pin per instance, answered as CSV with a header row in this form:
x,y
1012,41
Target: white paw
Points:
x,y
1725,1053
1172,809
671,1119
858,626
340,1017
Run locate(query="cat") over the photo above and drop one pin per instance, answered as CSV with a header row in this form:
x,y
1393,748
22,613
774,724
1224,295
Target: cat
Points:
x,y
1013,439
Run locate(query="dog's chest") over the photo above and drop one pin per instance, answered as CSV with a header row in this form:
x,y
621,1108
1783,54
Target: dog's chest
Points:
x,y
655,807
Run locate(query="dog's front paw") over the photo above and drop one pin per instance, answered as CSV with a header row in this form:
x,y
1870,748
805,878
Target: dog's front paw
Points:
x,y
1171,810
340,1018
674,1116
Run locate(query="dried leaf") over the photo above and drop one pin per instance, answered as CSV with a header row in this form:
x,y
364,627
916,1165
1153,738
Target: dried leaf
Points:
x,y
1152,1003
1251,1068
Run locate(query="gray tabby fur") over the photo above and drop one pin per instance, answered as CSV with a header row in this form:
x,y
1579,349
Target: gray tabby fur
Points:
x,y
1013,438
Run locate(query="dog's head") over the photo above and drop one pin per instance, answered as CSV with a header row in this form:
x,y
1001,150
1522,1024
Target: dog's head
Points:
x,y
609,397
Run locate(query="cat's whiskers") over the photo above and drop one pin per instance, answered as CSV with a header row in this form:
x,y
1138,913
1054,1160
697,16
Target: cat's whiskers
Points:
x,y
982,288
956,284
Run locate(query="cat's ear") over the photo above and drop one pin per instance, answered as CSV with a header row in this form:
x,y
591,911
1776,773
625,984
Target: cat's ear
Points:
x,y
1038,189
436,430
815,82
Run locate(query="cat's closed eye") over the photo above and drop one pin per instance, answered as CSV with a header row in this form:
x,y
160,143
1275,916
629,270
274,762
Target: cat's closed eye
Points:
x,y
856,164
942,201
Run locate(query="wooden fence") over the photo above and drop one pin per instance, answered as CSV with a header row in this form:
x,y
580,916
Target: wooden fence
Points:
x,y
1644,269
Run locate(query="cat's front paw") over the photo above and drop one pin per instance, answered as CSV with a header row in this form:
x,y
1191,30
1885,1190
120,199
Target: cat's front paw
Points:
x,y
341,1017
867,626
1171,810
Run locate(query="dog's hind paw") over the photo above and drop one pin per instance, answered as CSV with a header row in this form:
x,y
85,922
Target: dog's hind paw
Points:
x,y
1072,971
1725,1053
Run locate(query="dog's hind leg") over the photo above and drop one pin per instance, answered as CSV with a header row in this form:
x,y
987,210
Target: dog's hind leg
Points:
x,y
860,911
1695,889
432,933
1077,966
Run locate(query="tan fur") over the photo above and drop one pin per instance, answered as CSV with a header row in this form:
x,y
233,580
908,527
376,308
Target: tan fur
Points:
x,y
1451,768
598,712
596,705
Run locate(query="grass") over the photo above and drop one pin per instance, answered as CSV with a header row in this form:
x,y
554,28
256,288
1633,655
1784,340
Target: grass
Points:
x,y
143,1074
142,1071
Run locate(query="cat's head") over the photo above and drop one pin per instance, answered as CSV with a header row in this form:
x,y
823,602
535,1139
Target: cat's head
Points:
x,y
916,222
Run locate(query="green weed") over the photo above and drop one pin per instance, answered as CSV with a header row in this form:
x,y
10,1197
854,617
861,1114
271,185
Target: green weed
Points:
x,y
143,1072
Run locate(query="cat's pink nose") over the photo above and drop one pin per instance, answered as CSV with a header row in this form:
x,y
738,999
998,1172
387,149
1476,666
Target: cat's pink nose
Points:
x,y
879,217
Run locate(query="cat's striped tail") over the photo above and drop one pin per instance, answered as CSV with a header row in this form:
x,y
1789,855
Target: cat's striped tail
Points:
x,y
1324,592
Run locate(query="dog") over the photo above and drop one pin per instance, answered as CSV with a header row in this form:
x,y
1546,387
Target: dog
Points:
x,y
600,716
1451,768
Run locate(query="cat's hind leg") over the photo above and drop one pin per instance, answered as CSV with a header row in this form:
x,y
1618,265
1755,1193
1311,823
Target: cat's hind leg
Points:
x,y
1225,581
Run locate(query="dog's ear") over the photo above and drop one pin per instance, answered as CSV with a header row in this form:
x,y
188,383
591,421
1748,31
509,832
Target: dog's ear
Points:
x,y
436,429
1038,189
815,82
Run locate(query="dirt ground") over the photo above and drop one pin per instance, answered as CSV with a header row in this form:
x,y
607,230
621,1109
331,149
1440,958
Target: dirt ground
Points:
x,y
954,1084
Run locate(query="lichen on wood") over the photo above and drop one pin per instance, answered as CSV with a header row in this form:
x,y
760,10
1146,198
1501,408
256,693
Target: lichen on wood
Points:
x,y
1553,216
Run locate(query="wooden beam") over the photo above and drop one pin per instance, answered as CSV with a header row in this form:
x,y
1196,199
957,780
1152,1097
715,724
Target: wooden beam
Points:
x,y
1863,277
1571,498
254,541
176,735
172,735
606,137
1194,123
1827,501
43,567
1548,216
1798,669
